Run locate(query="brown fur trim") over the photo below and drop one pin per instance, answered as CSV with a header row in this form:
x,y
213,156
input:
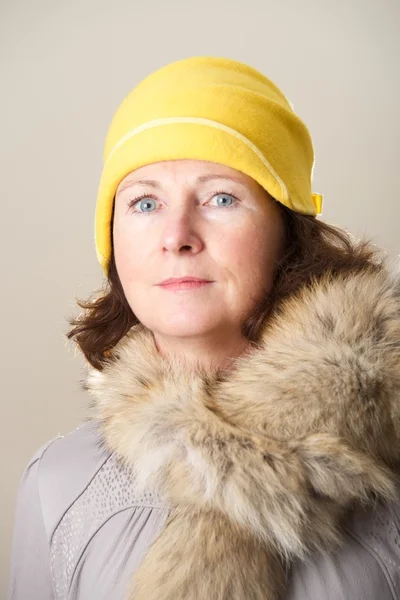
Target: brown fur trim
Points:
x,y
261,464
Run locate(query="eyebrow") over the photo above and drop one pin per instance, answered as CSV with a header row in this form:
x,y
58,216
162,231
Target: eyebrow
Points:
x,y
201,179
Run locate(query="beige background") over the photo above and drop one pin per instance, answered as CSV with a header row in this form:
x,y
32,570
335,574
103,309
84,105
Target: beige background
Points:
x,y
66,66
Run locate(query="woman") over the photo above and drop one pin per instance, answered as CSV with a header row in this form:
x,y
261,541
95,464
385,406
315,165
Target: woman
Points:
x,y
244,365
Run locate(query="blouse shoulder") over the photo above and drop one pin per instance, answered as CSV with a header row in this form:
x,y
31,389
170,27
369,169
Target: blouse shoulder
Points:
x,y
377,532
78,475
89,498
366,567
83,497
66,464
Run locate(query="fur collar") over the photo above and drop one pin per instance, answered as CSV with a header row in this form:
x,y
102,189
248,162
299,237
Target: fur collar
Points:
x,y
260,463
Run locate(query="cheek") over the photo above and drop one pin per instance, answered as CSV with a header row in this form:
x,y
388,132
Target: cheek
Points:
x,y
250,255
129,258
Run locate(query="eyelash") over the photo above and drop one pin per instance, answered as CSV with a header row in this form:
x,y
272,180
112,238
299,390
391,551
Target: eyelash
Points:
x,y
137,199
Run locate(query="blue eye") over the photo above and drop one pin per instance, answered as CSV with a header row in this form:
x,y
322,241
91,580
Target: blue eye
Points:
x,y
227,199
147,204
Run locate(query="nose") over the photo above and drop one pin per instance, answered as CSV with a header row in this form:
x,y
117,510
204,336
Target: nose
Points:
x,y
181,231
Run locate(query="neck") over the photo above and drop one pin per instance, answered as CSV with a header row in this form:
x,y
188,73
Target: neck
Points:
x,y
211,352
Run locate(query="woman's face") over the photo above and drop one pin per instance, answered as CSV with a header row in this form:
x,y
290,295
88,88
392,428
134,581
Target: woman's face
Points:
x,y
195,219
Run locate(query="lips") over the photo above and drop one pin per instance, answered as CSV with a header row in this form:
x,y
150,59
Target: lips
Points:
x,y
184,284
186,279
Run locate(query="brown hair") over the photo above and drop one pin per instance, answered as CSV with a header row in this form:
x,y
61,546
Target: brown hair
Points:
x,y
313,248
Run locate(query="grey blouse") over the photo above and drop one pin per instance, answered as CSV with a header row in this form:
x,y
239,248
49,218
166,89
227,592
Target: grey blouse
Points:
x,y
81,531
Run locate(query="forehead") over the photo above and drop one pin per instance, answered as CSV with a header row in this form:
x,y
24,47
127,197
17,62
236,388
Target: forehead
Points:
x,y
191,171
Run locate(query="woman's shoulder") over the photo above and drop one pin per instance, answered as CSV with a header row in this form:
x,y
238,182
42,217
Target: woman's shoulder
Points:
x,y
376,531
77,471
74,497
367,566
64,466
74,457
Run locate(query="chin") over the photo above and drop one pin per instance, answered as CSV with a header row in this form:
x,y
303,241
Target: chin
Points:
x,y
181,325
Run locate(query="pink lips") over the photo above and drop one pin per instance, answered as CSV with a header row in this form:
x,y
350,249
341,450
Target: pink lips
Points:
x,y
183,283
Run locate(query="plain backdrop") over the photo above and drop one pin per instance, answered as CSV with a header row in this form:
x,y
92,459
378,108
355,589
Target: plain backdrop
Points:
x,y
65,68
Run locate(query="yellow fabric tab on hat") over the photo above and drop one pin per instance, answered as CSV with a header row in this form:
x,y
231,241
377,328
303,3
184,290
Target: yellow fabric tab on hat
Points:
x,y
318,200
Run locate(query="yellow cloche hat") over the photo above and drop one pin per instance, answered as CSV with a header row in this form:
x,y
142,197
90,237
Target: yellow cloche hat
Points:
x,y
208,108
